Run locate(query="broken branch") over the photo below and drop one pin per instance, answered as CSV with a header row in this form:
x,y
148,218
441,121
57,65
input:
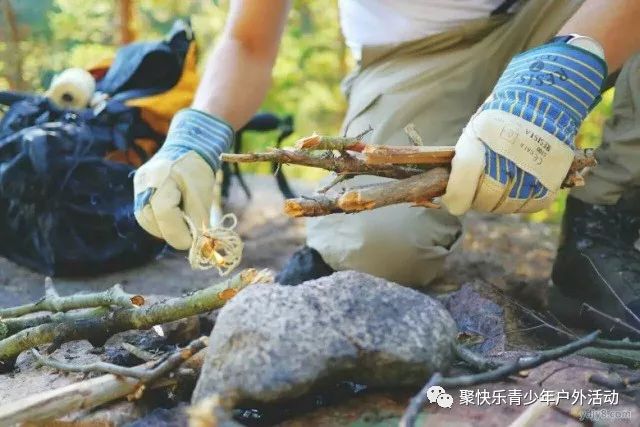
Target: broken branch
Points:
x,y
391,154
142,372
55,303
505,370
614,321
340,143
98,329
344,164
419,190
417,402
97,391
15,325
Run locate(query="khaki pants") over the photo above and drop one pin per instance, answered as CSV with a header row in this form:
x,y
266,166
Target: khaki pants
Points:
x,y
437,83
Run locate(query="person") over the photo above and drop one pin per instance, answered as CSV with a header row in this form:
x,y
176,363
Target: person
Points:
x,y
507,82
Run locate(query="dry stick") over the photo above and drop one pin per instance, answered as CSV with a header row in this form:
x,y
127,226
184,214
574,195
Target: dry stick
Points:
x,y
125,319
605,381
391,154
600,342
345,164
419,190
96,391
15,325
614,320
418,153
141,354
413,135
340,143
507,369
442,155
55,303
142,373
474,360
613,292
417,402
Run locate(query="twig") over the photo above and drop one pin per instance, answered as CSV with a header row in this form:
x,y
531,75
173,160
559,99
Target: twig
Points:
x,y
142,373
340,143
600,342
419,190
417,402
15,325
343,164
610,383
442,155
614,320
507,369
141,354
613,292
335,181
91,393
55,303
413,135
99,328
521,363
474,360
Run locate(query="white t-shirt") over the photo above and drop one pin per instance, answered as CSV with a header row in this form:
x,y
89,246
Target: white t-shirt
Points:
x,y
381,22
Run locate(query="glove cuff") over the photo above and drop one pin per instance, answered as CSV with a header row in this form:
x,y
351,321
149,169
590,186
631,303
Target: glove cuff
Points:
x,y
195,130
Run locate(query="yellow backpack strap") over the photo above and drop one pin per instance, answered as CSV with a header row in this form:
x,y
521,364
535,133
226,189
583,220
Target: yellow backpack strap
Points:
x,y
158,110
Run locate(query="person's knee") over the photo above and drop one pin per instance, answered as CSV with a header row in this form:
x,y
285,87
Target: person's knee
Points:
x,y
401,244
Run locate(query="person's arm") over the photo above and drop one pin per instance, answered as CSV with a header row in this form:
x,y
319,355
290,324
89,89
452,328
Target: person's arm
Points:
x,y
238,72
175,186
515,151
614,24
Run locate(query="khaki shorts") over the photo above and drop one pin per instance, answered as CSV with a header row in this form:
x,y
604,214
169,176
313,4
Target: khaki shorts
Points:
x,y
436,83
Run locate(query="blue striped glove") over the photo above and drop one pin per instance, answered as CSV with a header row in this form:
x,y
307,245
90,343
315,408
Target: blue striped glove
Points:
x,y
517,149
180,178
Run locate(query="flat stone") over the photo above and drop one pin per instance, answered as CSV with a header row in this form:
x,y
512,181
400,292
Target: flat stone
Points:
x,y
274,342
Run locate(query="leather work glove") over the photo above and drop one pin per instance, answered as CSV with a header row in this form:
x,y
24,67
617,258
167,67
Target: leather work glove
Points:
x,y
179,179
516,150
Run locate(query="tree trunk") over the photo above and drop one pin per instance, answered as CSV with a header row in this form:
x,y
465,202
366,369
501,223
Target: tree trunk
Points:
x,y
14,50
125,24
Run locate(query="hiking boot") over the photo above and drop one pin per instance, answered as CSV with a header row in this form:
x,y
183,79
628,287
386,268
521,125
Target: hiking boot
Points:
x,y
305,264
598,257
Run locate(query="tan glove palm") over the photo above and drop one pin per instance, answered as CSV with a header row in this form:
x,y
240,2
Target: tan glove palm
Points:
x,y
179,180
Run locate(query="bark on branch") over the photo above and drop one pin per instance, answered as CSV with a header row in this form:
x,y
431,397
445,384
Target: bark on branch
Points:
x,y
55,303
142,372
503,371
397,162
345,164
98,329
419,190
97,391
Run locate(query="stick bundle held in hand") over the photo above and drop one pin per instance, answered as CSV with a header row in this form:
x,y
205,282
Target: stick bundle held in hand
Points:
x,y
421,172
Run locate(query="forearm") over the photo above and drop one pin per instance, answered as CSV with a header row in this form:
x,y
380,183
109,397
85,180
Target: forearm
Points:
x,y
234,83
614,24
238,72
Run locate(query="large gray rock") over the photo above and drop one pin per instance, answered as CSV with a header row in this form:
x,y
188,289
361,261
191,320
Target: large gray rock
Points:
x,y
273,342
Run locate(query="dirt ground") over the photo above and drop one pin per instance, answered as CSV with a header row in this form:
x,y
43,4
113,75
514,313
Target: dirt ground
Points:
x,y
503,252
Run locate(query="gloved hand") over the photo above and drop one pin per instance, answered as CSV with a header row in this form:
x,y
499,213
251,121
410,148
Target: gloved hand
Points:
x,y
179,179
517,149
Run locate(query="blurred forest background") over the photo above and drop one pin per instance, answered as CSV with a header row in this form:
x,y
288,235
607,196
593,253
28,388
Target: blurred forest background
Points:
x,y
39,38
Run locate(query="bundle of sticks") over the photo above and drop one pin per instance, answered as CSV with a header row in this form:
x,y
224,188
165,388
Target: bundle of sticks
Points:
x,y
420,172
